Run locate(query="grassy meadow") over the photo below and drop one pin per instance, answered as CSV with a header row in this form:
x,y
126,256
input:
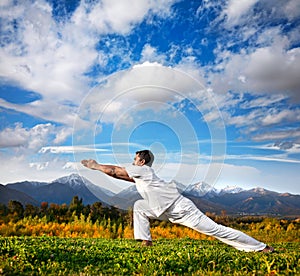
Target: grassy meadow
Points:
x,y
96,256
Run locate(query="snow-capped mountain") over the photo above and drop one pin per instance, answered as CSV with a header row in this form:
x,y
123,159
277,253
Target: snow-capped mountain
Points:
x,y
230,190
63,189
76,181
72,180
203,189
200,189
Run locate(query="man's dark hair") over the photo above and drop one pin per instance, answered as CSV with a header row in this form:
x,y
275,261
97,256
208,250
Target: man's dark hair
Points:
x,y
146,155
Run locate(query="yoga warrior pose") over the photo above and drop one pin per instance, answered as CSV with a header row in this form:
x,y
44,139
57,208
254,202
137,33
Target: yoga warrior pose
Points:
x,y
161,200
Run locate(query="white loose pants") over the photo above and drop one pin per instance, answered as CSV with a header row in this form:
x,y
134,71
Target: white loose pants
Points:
x,y
183,211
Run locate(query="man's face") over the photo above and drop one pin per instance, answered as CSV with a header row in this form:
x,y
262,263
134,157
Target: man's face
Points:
x,y
137,161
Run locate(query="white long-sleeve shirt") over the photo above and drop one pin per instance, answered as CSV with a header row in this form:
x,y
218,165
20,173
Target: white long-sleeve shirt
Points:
x,y
159,194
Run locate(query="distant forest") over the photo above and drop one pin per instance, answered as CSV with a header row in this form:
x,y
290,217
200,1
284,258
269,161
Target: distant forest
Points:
x,y
63,213
98,221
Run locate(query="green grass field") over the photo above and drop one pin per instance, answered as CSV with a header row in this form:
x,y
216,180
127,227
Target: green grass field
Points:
x,y
79,256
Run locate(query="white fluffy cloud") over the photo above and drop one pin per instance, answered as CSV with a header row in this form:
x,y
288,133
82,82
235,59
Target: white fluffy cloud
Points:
x,y
271,69
236,9
113,16
145,86
31,139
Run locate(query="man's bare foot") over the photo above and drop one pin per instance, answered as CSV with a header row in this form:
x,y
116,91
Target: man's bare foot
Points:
x,y
268,249
146,243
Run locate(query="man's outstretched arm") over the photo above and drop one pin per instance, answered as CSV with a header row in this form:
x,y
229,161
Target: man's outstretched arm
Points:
x,y
111,170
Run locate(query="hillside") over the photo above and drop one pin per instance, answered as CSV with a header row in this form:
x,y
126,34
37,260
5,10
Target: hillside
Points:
x,y
7,194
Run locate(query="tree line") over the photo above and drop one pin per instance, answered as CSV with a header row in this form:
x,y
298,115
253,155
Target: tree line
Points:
x,y
63,213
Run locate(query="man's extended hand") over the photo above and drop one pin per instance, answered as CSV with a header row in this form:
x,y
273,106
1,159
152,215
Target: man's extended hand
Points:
x,y
91,164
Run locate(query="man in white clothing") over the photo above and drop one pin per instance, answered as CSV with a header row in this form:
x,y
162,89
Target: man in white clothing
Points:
x,y
161,200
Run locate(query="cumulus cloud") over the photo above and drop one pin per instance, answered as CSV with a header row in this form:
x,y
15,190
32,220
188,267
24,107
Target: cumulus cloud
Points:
x,y
145,86
13,137
29,138
271,69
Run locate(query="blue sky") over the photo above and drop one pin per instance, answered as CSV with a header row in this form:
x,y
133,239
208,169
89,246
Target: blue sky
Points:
x,y
211,87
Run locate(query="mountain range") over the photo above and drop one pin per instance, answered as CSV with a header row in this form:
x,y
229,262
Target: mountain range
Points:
x,y
233,200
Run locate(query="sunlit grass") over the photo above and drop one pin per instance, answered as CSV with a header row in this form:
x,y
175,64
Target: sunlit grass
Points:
x,y
79,256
